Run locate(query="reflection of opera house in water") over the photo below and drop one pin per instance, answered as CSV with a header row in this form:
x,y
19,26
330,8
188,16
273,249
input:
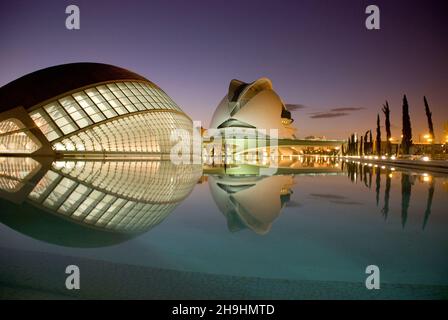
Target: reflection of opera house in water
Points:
x,y
252,202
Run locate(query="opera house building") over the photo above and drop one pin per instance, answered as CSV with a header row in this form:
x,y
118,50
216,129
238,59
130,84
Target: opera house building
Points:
x,y
252,106
87,108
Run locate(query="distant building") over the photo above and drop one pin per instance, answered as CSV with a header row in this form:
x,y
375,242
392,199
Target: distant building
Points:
x,y
87,108
315,138
251,106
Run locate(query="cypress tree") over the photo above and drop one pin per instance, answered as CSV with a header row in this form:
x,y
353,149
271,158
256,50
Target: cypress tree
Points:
x,y
407,129
353,144
348,146
366,146
386,111
378,135
429,117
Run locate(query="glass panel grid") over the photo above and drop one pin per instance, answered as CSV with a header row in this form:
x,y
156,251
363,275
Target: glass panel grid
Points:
x,y
97,104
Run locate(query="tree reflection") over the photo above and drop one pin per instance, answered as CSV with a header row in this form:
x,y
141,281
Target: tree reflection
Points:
x,y
385,210
406,188
431,189
365,173
377,185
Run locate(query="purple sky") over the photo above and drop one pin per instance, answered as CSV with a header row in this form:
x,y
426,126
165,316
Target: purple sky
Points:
x,y
317,53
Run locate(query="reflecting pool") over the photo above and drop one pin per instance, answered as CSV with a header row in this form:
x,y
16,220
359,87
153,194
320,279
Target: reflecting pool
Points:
x,y
152,229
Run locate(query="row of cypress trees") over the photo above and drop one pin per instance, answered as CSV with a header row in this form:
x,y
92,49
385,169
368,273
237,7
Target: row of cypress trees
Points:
x,y
362,145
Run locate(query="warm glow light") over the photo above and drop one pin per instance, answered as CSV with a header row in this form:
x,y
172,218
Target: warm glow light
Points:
x,y
425,158
393,157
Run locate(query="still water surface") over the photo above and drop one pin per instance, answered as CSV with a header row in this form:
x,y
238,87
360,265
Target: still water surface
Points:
x,y
149,229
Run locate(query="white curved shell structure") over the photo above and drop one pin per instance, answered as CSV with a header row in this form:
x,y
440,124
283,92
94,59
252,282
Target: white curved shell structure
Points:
x,y
255,105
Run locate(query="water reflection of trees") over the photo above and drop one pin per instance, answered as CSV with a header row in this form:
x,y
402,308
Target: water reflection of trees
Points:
x,y
385,210
316,161
378,185
357,171
429,202
406,189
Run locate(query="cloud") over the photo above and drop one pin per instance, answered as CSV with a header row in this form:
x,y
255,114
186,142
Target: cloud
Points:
x,y
334,113
347,109
322,115
294,107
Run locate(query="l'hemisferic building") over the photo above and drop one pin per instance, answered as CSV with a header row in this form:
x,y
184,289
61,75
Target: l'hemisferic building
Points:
x,y
87,108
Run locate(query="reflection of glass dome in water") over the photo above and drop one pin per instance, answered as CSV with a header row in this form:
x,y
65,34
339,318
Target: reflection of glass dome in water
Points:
x,y
87,108
252,202
100,201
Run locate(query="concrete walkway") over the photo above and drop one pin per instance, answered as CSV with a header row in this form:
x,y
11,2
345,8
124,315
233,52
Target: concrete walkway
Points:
x,y
34,275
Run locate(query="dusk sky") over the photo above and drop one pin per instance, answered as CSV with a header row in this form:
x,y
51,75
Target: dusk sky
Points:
x,y
318,54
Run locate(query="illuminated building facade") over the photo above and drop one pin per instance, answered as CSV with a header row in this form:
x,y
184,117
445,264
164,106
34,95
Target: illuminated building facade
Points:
x,y
253,106
87,108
